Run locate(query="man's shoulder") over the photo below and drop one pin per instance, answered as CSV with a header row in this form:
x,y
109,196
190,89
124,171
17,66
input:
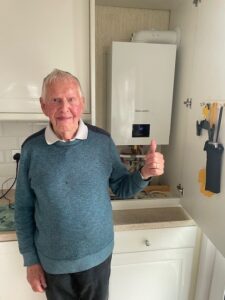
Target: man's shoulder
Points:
x,y
97,130
33,137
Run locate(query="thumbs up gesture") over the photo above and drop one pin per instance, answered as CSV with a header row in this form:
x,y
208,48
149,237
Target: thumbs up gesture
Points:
x,y
154,162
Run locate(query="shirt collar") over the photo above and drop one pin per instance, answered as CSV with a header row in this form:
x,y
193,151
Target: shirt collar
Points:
x,y
51,137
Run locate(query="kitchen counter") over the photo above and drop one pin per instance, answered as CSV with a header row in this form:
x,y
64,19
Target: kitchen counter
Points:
x,y
6,236
139,214
7,232
151,218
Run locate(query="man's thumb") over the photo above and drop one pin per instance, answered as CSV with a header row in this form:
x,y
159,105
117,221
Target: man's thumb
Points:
x,y
153,146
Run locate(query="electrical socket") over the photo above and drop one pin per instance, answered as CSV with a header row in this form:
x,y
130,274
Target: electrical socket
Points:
x,y
14,152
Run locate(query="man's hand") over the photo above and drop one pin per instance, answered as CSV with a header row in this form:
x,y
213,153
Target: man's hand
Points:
x,y
154,162
36,278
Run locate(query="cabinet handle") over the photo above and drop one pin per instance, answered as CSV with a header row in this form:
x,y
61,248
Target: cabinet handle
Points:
x,y
147,243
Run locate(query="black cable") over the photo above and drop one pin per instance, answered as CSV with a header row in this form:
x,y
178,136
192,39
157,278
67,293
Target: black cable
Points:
x,y
16,157
2,189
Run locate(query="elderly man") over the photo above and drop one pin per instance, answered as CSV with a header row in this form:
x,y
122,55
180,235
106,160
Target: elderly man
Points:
x,y
63,210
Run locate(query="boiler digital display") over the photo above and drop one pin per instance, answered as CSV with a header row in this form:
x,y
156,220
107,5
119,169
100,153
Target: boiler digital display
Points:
x,y
141,130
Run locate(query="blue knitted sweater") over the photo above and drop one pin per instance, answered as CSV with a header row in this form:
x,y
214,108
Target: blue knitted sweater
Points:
x,y
63,211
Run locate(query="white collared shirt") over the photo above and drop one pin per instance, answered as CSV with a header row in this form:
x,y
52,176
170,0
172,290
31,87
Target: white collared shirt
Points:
x,y
52,138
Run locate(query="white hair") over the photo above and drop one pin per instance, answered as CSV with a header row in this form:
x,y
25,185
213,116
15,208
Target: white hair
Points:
x,y
56,75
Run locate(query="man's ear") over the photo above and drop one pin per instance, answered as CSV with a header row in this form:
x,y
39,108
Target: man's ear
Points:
x,y
83,103
43,106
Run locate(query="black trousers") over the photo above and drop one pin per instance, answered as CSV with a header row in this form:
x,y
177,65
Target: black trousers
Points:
x,y
92,284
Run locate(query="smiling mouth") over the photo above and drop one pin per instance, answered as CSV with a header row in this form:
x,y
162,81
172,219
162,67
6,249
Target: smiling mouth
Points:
x,y
64,118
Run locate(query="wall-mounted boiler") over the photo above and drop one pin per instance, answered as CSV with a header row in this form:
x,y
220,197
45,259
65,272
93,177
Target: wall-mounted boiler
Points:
x,y
140,92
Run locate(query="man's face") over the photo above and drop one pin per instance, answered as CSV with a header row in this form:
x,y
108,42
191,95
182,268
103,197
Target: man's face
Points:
x,y
64,105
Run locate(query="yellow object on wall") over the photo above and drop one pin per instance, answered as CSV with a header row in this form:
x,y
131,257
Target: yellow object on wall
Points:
x,y
202,180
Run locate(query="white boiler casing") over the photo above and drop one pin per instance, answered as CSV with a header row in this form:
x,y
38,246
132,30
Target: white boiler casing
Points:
x,y
157,37
140,92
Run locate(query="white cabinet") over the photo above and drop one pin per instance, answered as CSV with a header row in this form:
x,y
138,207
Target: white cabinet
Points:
x,y
152,264
218,283
13,284
35,38
146,264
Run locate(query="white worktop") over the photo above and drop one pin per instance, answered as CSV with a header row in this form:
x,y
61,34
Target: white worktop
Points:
x,y
137,214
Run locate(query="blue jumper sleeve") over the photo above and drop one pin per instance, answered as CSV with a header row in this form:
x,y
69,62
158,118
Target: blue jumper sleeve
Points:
x,y
24,213
123,183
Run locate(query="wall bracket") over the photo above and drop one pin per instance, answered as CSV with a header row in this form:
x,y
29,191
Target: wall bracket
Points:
x,y
188,102
196,2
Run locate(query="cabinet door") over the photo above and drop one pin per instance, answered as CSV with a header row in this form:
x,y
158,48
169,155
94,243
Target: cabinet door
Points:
x,y
208,78
158,275
217,290
184,18
35,38
13,283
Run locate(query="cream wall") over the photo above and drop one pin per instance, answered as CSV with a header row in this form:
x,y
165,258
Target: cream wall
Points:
x,y
117,24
